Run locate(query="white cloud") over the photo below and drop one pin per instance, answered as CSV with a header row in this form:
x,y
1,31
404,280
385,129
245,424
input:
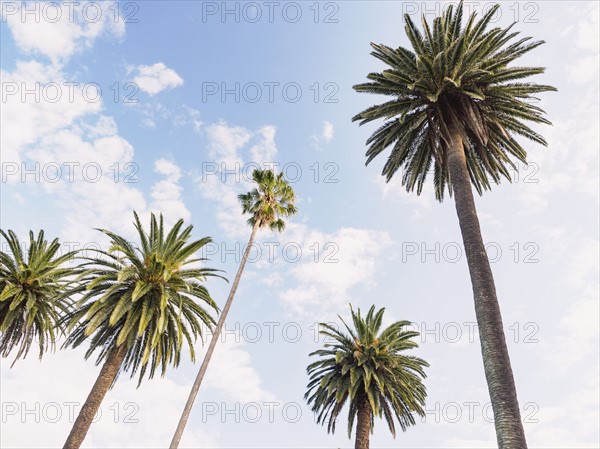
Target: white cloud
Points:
x,y
333,264
148,123
227,210
327,133
584,69
569,164
58,31
580,317
231,371
105,126
26,122
271,280
191,116
156,78
572,422
166,194
265,150
225,141
587,28
168,168
102,164
152,112
581,323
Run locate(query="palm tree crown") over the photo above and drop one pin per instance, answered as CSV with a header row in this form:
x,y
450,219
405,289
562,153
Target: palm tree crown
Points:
x,y
270,201
367,366
145,298
35,290
455,78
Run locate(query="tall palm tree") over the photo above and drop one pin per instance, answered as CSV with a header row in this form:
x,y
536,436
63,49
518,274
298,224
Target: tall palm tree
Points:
x,y
268,203
369,370
138,306
35,289
456,107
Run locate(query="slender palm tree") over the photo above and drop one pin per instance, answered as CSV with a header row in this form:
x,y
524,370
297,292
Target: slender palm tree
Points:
x,y
268,203
138,305
368,370
456,107
35,290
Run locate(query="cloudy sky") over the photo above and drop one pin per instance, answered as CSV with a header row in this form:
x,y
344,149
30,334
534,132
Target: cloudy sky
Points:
x,y
168,106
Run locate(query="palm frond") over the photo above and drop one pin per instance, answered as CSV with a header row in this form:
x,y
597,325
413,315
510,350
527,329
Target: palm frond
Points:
x,y
148,297
458,77
367,364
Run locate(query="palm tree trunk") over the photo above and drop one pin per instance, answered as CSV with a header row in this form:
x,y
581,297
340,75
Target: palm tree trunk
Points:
x,y
211,347
105,379
363,424
496,362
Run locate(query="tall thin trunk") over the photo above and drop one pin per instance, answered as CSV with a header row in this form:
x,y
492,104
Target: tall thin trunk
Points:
x,y
496,362
92,403
363,424
211,347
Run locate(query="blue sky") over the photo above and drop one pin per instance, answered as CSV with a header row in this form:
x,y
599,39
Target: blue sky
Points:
x,y
160,137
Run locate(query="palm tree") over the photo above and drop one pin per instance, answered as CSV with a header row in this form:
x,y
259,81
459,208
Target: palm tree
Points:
x,y
271,200
35,289
368,369
138,306
456,106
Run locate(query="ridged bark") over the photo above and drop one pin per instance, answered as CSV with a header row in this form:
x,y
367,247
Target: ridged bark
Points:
x,y
496,361
363,424
92,403
211,347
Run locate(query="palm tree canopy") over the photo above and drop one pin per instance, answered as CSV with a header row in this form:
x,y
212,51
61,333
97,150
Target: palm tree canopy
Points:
x,y
271,201
35,290
367,363
148,298
454,78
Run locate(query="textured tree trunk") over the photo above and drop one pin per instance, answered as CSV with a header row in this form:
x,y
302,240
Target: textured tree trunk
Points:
x,y
496,362
363,424
211,347
92,403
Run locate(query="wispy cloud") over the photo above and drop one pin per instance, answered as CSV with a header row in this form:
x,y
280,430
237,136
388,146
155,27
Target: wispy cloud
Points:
x,y
155,78
326,135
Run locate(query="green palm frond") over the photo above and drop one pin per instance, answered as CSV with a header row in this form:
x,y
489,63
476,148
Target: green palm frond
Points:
x,y
453,76
35,290
367,363
272,200
148,297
